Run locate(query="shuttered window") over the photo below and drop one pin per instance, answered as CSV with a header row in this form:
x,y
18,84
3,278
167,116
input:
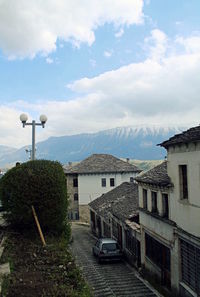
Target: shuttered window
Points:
x,y
157,252
190,265
131,243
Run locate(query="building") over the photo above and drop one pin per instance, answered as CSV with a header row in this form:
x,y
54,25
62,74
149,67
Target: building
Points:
x,y
115,214
183,167
169,209
157,228
93,177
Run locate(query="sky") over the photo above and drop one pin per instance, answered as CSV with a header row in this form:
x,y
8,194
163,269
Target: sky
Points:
x,y
92,65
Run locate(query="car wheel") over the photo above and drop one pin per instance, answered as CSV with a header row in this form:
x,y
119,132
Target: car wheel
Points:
x,y
99,260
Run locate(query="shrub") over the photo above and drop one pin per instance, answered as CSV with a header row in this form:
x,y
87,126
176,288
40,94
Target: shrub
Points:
x,y
40,183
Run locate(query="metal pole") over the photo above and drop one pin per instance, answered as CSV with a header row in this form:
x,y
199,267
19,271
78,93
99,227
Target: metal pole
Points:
x,y
33,141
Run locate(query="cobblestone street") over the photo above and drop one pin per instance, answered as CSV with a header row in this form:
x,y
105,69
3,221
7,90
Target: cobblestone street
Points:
x,y
108,279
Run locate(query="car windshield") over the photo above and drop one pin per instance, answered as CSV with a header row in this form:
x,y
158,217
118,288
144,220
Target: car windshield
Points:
x,y
109,246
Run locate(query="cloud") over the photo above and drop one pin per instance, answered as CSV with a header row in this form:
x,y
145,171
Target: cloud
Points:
x,y
49,60
31,27
156,44
163,89
93,62
10,126
163,92
190,44
107,54
119,33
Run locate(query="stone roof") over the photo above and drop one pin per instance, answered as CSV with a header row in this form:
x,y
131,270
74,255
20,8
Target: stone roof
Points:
x,y
122,202
101,163
156,176
190,135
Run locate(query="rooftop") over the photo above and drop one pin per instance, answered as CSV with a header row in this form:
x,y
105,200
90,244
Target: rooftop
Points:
x,y
156,176
101,163
190,135
122,202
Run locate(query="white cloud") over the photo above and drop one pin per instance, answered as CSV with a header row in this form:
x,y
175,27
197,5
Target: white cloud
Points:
x,y
31,27
178,23
108,54
190,44
156,44
93,62
161,92
11,131
162,89
49,60
119,33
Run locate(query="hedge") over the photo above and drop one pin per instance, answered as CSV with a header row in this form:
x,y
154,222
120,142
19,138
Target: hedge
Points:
x,y
40,183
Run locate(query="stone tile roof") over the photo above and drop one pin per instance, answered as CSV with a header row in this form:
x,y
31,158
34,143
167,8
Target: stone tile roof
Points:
x,y
156,176
101,163
190,135
121,202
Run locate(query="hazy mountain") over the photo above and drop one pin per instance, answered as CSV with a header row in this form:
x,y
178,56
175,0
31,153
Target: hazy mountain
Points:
x,y
4,150
127,142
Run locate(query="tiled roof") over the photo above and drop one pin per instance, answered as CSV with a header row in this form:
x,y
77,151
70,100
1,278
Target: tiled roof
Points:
x,y
156,176
101,163
191,135
121,202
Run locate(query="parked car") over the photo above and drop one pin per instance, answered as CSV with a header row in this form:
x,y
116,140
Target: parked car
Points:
x,y
107,249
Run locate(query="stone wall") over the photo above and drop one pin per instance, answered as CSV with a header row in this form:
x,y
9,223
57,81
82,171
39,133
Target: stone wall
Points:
x,y
84,213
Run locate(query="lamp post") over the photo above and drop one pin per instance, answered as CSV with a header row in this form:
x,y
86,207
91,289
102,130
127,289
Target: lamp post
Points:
x,y
23,119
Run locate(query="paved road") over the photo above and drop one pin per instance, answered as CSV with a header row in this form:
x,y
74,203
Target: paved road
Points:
x,y
109,279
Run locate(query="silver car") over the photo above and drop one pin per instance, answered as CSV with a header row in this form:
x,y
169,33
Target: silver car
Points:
x,y
107,249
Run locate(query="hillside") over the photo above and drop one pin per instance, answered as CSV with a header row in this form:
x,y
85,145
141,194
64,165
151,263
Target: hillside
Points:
x,y
127,142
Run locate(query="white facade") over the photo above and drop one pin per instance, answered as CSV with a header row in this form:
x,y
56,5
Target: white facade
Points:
x,y
186,212
179,234
90,185
161,229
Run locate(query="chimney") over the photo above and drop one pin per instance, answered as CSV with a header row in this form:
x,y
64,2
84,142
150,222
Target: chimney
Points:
x,y
127,160
69,163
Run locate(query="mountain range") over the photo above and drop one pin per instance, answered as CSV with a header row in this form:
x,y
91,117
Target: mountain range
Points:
x,y
124,142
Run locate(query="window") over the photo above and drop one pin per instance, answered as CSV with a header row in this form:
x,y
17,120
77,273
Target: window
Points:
x,y
76,197
112,182
75,182
183,181
154,202
165,206
131,179
76,215
131,243
157,252
145,198
103,182
190,265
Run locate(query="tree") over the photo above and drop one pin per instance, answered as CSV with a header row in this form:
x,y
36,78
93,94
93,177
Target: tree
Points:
x,y
40,183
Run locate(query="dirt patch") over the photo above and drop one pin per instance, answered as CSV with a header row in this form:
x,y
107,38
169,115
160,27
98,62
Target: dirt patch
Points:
x,y
41,271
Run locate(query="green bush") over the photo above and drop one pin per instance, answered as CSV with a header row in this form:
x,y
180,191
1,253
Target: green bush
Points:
x,y
40,183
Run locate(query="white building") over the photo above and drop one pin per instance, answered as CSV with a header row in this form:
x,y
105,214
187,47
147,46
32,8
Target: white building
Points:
x,y
169,203
184,170
97,175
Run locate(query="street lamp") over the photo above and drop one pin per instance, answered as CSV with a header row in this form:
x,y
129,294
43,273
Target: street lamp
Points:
x,y
23,119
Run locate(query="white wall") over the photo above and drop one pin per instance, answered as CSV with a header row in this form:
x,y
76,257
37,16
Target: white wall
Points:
x,y
89,185
186,213
164,233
